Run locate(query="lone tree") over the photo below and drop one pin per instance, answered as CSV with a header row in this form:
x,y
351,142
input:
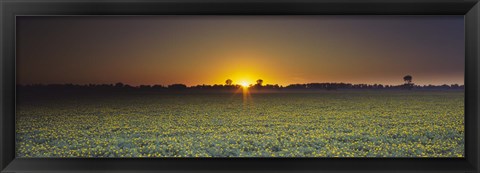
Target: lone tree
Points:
x,y
407,79
408,82
228,82
259,82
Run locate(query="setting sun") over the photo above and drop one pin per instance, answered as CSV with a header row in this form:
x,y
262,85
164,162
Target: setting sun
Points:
x,y
244,84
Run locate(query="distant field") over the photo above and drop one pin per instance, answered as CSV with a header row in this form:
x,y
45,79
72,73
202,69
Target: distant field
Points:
x,y
321,124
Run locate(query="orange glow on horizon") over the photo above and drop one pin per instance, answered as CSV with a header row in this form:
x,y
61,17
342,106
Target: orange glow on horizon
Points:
x,y
244,84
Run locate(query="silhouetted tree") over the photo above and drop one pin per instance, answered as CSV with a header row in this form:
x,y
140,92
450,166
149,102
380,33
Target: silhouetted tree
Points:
x,y
177,86
228,82
259,82
119,85
407,79
408,82
157,87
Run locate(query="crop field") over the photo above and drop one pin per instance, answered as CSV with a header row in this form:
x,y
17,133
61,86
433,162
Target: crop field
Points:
x,y
316,124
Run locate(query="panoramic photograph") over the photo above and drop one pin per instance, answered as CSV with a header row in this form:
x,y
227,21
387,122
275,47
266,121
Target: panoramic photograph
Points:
x,y
240,86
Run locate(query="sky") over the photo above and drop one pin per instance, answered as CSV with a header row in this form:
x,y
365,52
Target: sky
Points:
x,y
280,50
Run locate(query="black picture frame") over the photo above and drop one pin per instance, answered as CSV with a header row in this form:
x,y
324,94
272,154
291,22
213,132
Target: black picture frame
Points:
x,y
12,8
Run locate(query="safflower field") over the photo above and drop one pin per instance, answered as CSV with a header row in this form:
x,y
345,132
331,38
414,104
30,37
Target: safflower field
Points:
x,y
316,124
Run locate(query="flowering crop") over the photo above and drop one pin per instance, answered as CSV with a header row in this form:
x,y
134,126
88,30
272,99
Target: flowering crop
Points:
x,y
322,124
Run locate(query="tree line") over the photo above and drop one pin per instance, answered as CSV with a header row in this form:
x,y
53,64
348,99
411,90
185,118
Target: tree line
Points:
x,y
229,86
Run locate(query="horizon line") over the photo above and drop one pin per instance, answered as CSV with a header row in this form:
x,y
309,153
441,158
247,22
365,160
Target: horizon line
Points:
x,y
252,84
